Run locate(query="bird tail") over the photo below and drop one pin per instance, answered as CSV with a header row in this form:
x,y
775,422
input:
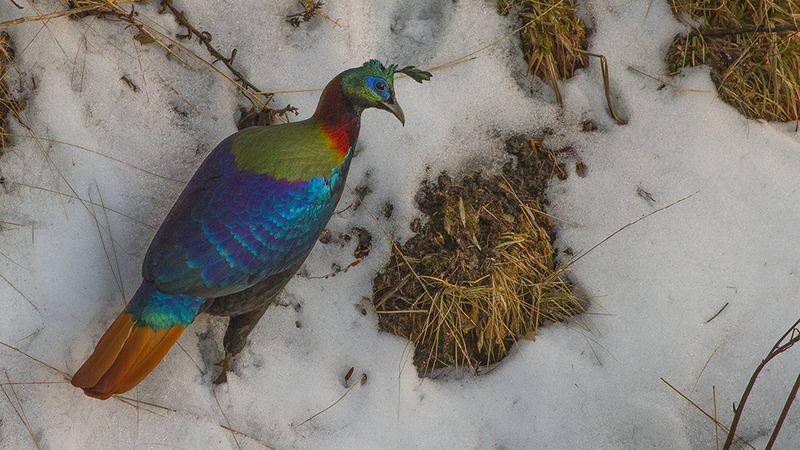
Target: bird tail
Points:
x,y
129,350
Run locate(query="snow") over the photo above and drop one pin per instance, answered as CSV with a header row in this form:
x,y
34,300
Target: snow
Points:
x,y
654,285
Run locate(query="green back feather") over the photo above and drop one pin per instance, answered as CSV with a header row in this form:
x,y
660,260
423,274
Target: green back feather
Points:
x,y
292,151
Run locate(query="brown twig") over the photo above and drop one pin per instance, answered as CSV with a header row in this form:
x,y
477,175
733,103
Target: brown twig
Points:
x,y
784,412
310,9
205,38
148,34
794,333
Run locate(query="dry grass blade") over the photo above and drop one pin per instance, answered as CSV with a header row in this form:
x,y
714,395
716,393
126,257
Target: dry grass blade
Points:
x,y
606,86
132,166
38,330
20,293
227,421
712,418
66,375
247,436
18,408
31,383
362,377
54,15
133,403
90,203
140,404
629,224
116,272
716,428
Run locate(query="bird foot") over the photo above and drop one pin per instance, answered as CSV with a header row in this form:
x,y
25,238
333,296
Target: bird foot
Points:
x,y
227,366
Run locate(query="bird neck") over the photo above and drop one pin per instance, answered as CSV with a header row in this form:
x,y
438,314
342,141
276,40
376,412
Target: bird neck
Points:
x,y
337,118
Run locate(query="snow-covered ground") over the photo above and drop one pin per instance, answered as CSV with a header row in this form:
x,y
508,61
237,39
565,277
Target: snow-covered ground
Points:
x,y
654,285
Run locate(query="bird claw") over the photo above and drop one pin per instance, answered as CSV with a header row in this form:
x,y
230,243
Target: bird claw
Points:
x,y
222,378
227,366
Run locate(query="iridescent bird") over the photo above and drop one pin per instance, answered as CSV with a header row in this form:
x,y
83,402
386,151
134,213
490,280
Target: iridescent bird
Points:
x,y
240,230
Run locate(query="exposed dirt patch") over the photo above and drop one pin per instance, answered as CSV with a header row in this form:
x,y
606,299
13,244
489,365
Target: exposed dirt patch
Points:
x,y
480,273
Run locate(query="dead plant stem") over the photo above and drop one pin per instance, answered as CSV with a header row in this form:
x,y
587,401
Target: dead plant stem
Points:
x,y
785,411
777,349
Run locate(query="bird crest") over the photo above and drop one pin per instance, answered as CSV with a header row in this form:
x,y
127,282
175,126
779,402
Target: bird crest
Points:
x,y
417,75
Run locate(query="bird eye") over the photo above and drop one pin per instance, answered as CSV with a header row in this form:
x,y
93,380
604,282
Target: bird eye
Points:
x,y
379,86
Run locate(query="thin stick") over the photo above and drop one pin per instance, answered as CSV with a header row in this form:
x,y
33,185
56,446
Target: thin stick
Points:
x,y
205,37
777,349
785,411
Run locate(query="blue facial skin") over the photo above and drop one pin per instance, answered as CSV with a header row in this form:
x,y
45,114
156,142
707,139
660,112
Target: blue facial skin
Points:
x,y
375,84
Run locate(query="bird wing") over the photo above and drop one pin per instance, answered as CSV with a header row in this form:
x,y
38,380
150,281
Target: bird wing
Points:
x,y
231,228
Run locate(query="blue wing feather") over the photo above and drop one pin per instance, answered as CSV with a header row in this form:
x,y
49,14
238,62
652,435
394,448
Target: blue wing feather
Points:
x,y
231,228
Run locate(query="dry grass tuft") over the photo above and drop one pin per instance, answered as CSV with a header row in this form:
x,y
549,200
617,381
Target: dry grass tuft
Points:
x,y
310,10
553,39
480,273
7,103
752,48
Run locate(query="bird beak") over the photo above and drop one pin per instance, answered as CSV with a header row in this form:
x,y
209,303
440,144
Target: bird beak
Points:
x,y
392,106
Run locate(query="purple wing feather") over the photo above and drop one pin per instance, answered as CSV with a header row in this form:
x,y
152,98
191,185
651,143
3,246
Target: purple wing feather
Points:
x,y
232,228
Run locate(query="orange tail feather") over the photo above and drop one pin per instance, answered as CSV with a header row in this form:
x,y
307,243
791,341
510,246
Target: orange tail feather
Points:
x,y
123,357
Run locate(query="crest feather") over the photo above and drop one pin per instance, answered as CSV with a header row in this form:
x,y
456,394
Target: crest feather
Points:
x,y
417,75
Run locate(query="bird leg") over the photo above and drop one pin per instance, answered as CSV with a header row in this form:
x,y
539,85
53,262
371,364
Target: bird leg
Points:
x,y
239,328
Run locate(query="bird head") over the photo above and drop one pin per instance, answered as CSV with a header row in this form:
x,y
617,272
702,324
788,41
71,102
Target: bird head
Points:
x,y
372,86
